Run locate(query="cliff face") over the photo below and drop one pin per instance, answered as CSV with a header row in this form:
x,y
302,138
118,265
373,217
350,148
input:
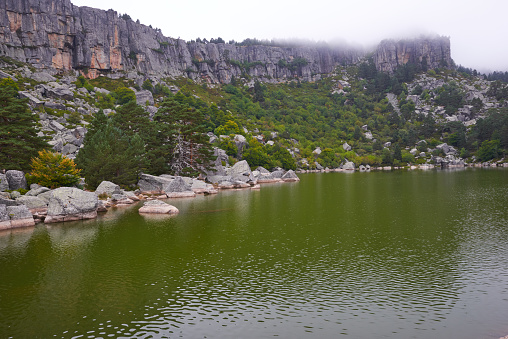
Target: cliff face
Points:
x,y
428,52
55,34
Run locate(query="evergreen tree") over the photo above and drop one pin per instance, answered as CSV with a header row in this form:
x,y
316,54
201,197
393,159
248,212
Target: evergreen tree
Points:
x,y
18,129
192,151
110,154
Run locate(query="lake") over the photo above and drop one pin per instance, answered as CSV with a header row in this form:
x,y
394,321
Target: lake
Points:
x,y
402,254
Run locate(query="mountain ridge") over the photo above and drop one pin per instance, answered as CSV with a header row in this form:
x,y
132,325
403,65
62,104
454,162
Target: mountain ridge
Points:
x,y
58,36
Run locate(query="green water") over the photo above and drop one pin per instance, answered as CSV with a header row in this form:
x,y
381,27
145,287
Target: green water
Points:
x,y
360,255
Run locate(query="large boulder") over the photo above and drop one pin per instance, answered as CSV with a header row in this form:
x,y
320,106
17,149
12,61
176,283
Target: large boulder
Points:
x,y
178,188
69,203
151,183
241,172
16,180
346,147
107,187
290,176
19,216
158,207
142,97
4,184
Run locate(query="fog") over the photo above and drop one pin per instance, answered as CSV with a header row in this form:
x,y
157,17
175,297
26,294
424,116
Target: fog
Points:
x,y
477,29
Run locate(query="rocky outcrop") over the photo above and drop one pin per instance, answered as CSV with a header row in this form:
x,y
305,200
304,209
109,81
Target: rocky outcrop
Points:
x,y
68,204
429,52
57,36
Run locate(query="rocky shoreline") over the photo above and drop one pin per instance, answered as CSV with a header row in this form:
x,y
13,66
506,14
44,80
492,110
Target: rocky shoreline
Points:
x,y
43,205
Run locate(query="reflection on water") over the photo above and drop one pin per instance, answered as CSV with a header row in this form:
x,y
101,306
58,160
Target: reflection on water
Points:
x,y
383,255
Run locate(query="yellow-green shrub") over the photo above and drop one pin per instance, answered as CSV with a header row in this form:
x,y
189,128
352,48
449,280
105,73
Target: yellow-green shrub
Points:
x,y
53,170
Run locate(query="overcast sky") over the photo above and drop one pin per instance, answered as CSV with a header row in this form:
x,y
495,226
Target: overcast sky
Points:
x,y
478,28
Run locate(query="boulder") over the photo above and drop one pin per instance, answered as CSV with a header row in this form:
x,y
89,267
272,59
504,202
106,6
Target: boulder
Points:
x,y
290,176
34,204
58,92
387,144
69,203
241,172
121,199
142,97
346,147
36,191
8,202
107,187
20,216
158,207
4,184
278,174
349,166
177,185
46,196
16,180
151,183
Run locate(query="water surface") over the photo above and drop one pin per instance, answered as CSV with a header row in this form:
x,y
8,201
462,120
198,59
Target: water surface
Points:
x,y
360,255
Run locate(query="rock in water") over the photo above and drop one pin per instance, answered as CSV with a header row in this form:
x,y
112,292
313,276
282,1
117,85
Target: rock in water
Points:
x,y
158,207
68,204
16,180
290,176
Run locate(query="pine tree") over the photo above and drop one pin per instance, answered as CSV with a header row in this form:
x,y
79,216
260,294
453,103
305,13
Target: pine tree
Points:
x,y
18,129
191,151
110,154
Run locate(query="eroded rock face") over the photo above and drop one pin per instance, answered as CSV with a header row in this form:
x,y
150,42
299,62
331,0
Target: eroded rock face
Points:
x,y
57,35
68,203
431,52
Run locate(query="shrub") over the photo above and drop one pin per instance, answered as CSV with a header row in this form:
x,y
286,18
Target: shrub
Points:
x,y
53,170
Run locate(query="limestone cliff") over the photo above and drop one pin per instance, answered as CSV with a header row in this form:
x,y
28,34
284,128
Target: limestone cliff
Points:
x,y
56,35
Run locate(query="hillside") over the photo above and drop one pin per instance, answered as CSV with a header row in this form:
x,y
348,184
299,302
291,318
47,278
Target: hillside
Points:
x,y
274,106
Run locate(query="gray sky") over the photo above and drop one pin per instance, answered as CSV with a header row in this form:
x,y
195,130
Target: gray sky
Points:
x,y
478,28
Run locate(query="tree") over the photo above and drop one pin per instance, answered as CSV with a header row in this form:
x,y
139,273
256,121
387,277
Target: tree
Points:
x,y
397,152
53,170
123,95
488,150
110,154
192,152
19,141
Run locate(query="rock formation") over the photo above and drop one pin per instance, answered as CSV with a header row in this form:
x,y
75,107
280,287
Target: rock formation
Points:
x,y
59,36
429,52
